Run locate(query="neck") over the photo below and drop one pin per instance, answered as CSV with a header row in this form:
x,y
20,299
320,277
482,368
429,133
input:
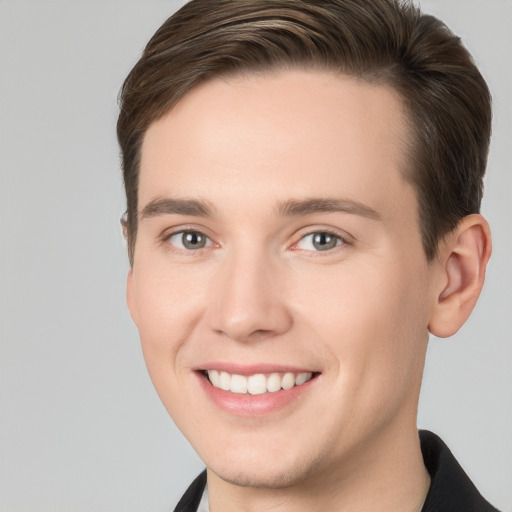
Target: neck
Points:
x,y
386,475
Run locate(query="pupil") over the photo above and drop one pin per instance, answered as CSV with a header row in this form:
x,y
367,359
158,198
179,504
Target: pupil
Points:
x,y
193,240
324,241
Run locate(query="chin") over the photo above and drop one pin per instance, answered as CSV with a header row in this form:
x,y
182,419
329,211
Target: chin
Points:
x,y
263,478
258,471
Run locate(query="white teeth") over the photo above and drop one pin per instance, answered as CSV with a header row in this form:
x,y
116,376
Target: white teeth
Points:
x,y
257,384
302,377
288,381
214,377
238,384
274,383
225,381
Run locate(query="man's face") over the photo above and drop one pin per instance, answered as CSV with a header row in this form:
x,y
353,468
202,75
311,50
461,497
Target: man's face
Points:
x,y
277,236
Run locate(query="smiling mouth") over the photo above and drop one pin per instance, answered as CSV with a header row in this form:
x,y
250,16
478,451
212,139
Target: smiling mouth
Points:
x,y
257,384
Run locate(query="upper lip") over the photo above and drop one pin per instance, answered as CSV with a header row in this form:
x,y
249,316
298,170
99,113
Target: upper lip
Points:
x,y
253,369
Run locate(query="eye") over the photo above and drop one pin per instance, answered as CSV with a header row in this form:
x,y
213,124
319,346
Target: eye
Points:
x,y
319,241
189,240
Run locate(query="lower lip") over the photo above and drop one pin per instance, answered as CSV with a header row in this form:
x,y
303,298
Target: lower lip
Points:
x,y
254,405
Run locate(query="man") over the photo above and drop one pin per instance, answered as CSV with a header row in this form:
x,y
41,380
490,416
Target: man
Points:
x,y
303,183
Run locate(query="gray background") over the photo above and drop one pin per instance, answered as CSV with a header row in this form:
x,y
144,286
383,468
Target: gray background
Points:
x,y
81,428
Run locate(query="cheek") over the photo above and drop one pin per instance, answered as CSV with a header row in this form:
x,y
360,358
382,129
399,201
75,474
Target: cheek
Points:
x,y
167,297
390,340
373,322
167,307
371,296
169,302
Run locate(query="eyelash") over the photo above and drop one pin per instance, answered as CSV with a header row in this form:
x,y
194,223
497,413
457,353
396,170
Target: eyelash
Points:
x,y
340,241
182,233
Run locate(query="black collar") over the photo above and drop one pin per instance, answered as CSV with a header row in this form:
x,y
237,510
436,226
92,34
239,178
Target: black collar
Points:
x,y
451,490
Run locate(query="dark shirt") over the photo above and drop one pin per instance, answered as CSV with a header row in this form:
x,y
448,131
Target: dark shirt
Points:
x,y
451,490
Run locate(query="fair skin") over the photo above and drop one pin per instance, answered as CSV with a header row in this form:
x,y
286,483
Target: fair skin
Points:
x,y
277,235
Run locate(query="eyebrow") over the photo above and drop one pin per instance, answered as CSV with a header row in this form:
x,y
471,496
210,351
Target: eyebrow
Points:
x,y
169,206
326,205
290,208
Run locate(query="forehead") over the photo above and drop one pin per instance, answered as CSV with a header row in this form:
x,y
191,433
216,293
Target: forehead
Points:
x,y
305,132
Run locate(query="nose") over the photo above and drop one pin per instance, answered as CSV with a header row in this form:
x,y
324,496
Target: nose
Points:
x,y
250,302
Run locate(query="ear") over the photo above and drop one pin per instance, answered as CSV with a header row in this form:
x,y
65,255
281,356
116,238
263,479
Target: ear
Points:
x,y
462,261
130,296
124,225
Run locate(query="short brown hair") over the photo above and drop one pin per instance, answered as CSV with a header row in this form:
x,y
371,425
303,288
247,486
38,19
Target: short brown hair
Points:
x,y
387,42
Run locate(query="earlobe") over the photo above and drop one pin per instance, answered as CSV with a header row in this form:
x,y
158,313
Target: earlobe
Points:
x,y
463,259
130,296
